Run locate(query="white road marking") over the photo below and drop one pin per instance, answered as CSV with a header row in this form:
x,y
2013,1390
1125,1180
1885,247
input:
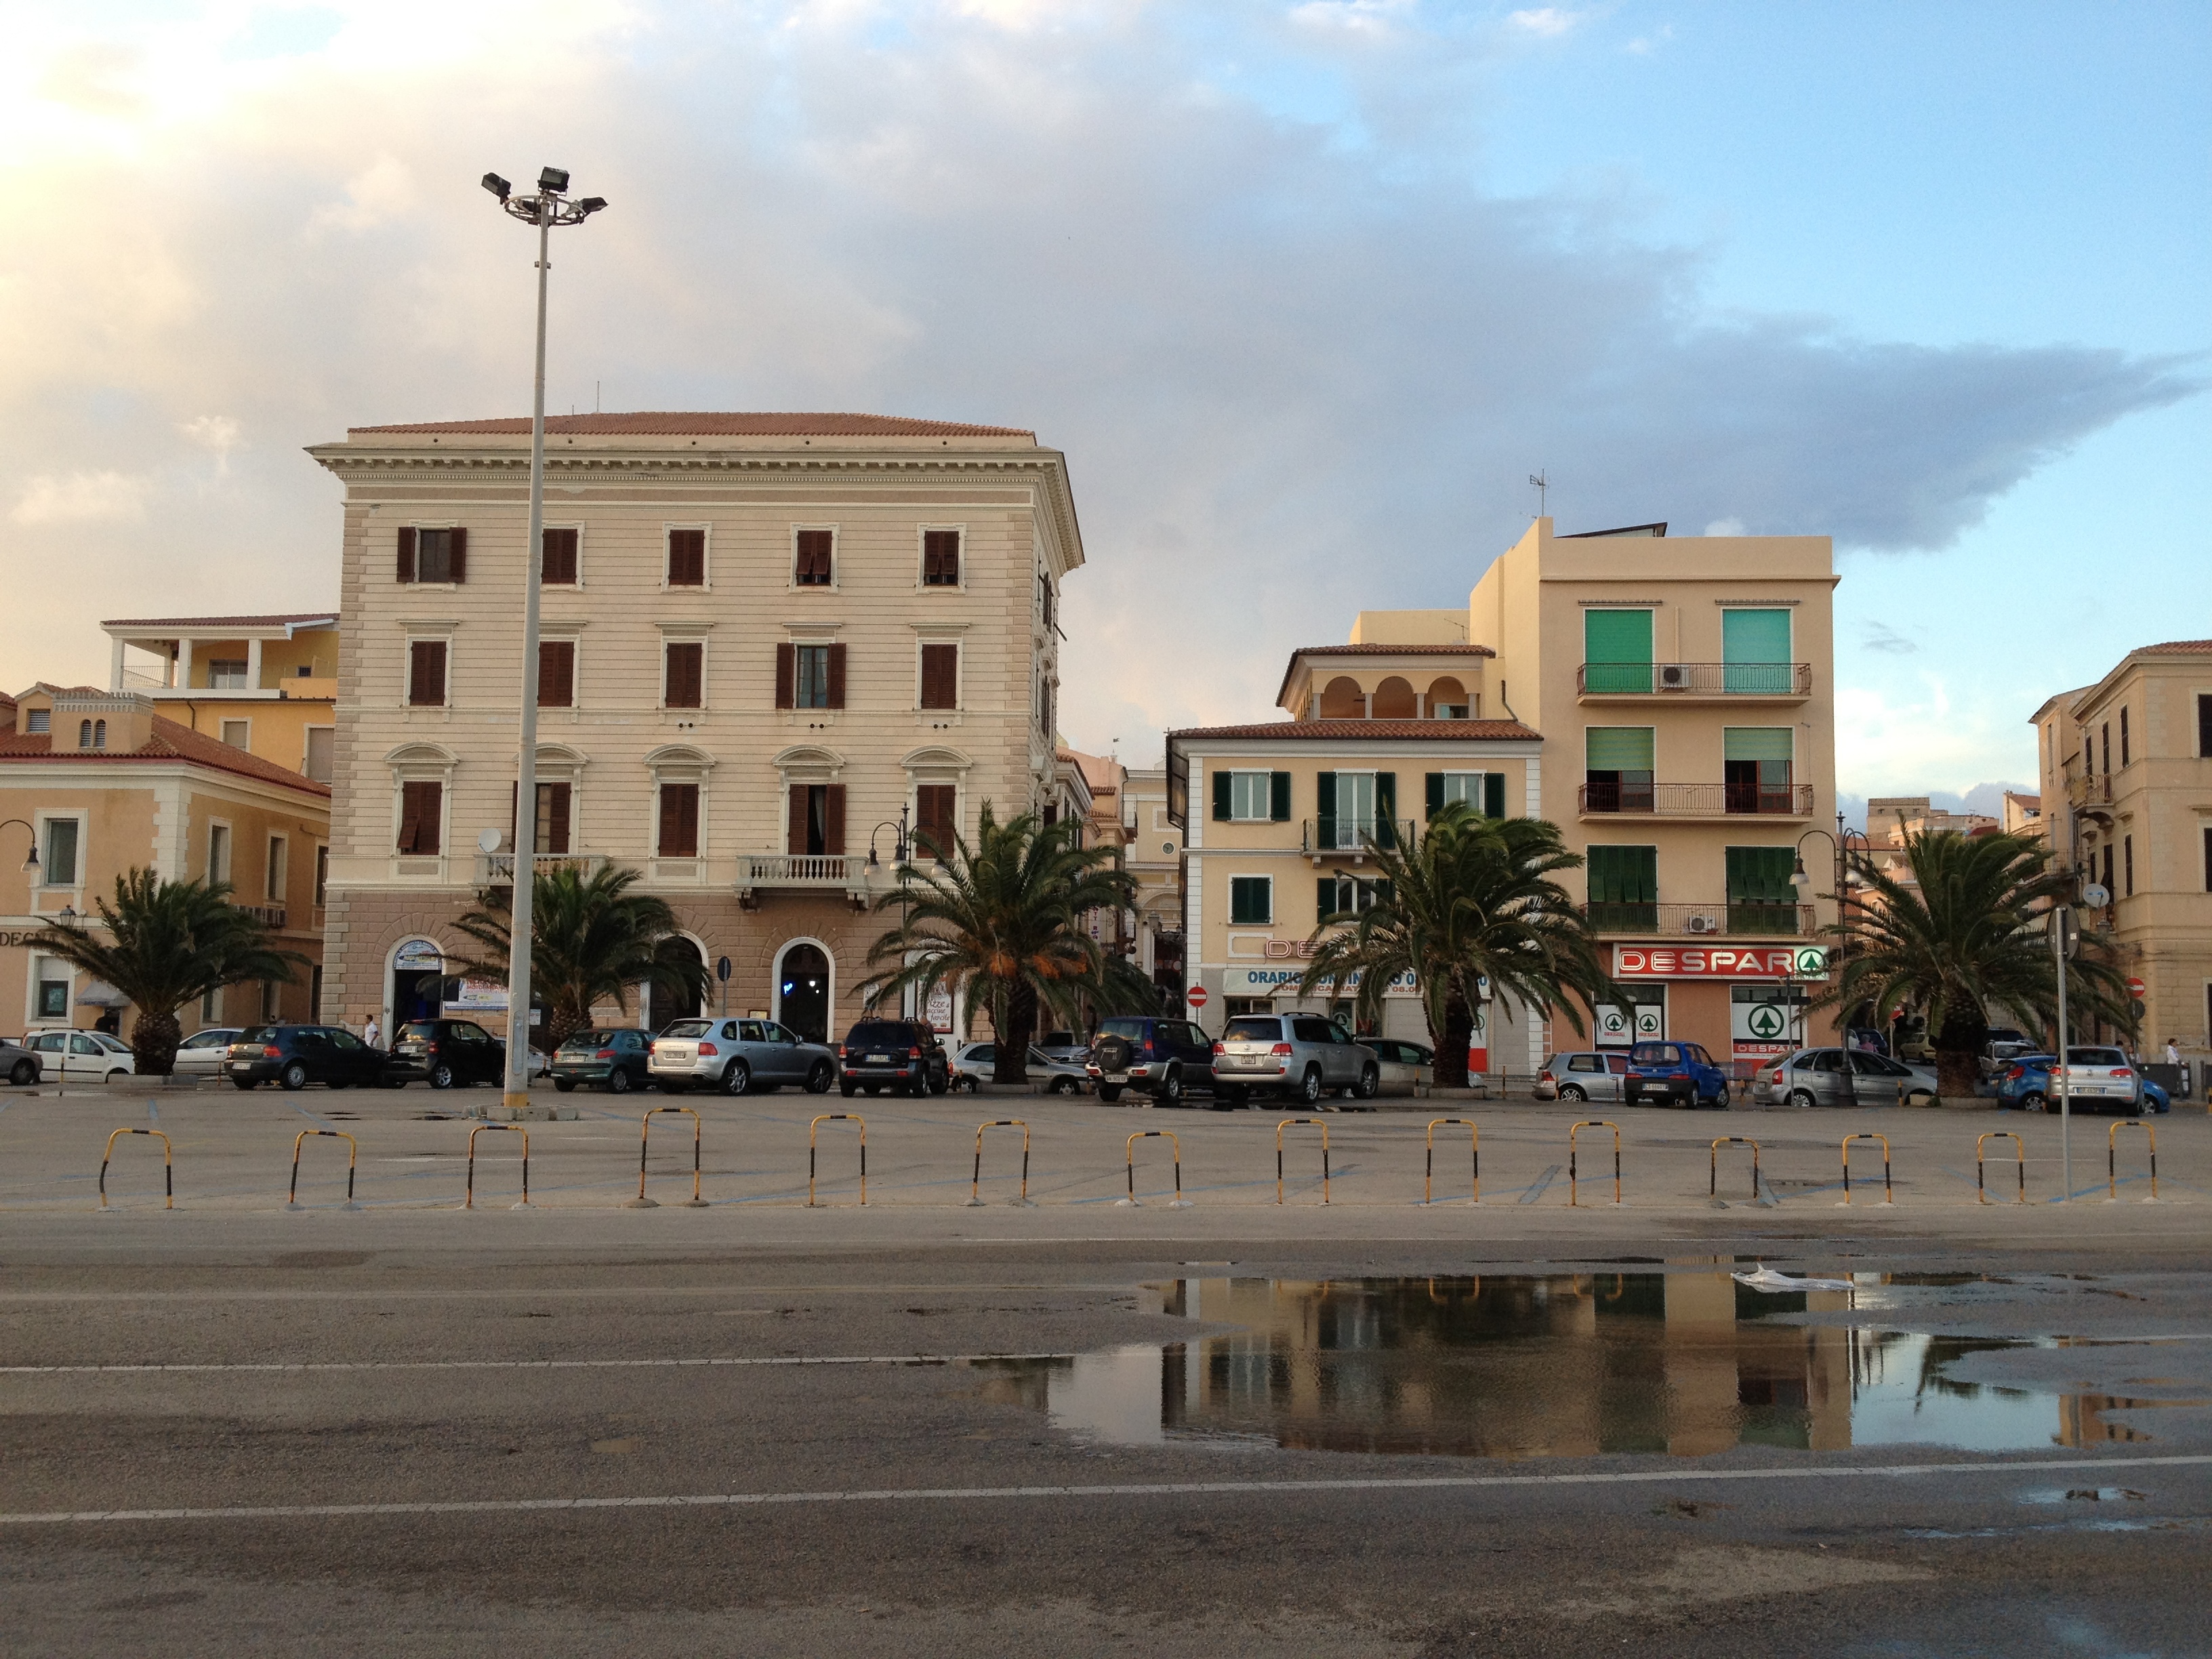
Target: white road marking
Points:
x,y
1165,1489
530,1364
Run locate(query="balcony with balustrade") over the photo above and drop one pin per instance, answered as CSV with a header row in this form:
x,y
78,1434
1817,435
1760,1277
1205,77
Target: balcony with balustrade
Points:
x,y
1357,839
1694,681
1720,919
497,869
1694,800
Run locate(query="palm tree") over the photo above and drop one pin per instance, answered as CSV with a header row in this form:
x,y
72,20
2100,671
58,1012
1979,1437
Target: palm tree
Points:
x,y
1966,940
1472,902
1001,919
168,943
594,941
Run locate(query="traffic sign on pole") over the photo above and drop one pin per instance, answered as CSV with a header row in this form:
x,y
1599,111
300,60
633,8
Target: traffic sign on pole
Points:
x,y
1197,994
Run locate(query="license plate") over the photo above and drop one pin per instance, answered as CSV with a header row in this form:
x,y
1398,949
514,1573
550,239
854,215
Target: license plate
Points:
x,y
1113,1077
879,1059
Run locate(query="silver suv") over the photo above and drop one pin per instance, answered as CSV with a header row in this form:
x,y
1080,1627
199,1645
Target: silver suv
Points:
x,y
1299,1056
735,1055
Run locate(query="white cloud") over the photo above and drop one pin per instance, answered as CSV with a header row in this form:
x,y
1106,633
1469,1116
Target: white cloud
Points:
x,y
380,193
81,498
1548,22
1725,527
218,434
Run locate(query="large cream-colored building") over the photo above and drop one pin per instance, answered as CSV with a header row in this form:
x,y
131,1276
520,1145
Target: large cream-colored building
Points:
x,y
767,640
267,684
106,784
2126,768
1668,701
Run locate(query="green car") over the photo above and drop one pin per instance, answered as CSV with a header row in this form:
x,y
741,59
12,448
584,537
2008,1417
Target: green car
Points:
x,y
614,1059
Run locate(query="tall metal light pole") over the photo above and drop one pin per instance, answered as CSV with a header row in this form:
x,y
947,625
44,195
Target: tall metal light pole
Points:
x,y
545,209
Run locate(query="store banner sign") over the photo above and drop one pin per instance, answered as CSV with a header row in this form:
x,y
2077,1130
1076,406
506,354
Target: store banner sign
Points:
x,y
478,996
1775,961
418,955
1760,1031
1269,981
1619,1027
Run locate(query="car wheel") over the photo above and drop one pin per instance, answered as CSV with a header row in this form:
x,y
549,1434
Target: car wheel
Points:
x,y
118,1072
2034,1102
618,1081
1309,1087
818,1080
244,1082
1573,1091
736,1078
565,1084
846,1089
441,1075
939,1085
24,1074
294,1077
1801,1098
1370,1084
1063,1085
1169,1093
1110,1092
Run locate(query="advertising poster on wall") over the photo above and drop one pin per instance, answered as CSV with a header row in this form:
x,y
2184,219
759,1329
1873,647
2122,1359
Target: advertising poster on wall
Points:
x,y
1765,1020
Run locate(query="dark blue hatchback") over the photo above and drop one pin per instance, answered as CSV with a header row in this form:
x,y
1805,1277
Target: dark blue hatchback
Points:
x,y
1677,1073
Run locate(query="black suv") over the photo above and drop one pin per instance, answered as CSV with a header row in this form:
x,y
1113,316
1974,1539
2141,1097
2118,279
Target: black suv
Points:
x,y
1165,1058
296,1055
900,1054
444,1053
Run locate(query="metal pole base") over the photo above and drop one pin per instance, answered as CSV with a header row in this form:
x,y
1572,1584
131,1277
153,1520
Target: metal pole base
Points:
x,y
694,1204
1179,1204
525,1204
641,1204
974,1204
1128,1204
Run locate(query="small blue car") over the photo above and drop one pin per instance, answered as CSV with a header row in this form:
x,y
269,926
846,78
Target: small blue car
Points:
x,y
2025,1084
1677,1073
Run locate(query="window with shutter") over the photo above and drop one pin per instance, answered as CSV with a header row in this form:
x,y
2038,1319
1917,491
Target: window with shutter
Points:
x,y
1616,651
422,814
406,552
940,558
1624,888
799,821
1468,789
679,821
940,677
1755,653
1221,796
836,677
2204,725
1251,900
811,558
1278,797
557,559
785,673
426,674
686,674
936,814
811,685
440,555
687,558
1761,898
556,673
832,818
1617,761
1251,797
1756,762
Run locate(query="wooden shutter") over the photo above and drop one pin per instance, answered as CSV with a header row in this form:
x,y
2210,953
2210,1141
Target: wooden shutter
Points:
x,y
556,673
836,677
1325,905
685,659
1386,809
1324,810
940,558
420,806
1278,797
679,821
557,816
1221,788
426,674
934,809
832,818
458,540
687,558
940,677
794,837
813,558
406,552
1493,794
557,559
787,672
1433,792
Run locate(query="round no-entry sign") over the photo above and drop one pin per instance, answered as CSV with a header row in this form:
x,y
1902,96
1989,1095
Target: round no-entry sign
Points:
x,y
2135,987
1197,994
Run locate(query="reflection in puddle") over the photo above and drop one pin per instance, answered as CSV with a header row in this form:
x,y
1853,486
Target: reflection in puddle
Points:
x,y
1553,1365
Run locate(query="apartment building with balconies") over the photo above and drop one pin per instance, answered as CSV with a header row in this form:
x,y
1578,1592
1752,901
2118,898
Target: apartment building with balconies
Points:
x,y
2126,768
767,643
267,684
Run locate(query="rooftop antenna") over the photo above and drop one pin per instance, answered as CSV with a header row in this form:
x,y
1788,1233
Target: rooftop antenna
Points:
x,y
1543,482
595,397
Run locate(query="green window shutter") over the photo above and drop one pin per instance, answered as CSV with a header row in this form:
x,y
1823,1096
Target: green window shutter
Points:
x,y
1761,875
1386,809
1755,648
1250,900
1325,905
1621,748
1623,875
1278,797
1383,889
1616,651
1325,809
1221,797
1493,794
1757,743
1436,792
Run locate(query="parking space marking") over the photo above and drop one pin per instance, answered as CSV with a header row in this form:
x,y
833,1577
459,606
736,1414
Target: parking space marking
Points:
x,y
1163,1489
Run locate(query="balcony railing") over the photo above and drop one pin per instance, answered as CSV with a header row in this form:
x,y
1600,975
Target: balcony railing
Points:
x,y
1695,800
1355,838
2089,792
1723,921
1694,679
818,870
497,869
270,915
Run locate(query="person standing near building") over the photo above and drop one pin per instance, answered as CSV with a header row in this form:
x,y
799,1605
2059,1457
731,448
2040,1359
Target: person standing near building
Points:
x,y
370,1032
2173,1052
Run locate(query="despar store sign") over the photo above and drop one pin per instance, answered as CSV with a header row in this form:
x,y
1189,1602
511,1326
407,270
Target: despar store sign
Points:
x,y
1778,961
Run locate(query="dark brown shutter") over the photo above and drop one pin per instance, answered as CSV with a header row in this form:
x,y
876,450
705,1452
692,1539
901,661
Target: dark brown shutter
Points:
x,y
786,671
406,552
515,815
940,677
795,836
687,558
426,674
419,812
557,816
557,562
933,812
685,661
836,677
458,540
814,558
679,820
940,558
832,818
556,673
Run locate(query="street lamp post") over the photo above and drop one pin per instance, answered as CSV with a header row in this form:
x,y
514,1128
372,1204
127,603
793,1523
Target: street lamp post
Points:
x,y
1840,842
548,208
31,859
901,855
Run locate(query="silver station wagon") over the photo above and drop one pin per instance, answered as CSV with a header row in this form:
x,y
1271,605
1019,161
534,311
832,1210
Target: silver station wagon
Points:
x,y
1300,1057
735,1055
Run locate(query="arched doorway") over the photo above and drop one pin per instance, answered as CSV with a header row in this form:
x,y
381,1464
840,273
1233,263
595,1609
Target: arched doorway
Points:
x,y
802,990
415,983
663,1004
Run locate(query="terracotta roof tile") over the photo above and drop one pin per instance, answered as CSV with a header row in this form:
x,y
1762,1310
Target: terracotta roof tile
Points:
x,y
170,742
275,621
664,424
1464,730
2201,645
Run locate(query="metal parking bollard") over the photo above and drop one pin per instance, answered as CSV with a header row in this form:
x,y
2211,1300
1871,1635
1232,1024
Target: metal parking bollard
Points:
x,y
469,1202
645,1139
1713,1177
2020,1156
1179,1202
814,1128
1295,1123
1888,1197
1428,1163
976,1184
1573,1171
168,1166
353,1157
2111,1159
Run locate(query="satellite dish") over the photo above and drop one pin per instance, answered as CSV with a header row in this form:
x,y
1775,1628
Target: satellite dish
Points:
x,y
487,840
2096,896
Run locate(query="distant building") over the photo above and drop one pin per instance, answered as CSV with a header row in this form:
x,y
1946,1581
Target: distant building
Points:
x,y
2023,815
1155,856
267,684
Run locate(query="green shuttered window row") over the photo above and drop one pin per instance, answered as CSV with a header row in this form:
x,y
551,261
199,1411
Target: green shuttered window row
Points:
x,y
1755,654
1619,749
1616,651
1757,743
1485,792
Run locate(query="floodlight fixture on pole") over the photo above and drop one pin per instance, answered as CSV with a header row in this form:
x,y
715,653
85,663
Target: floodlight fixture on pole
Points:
x,y
545,209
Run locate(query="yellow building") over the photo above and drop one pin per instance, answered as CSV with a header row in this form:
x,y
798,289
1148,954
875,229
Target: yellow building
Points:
x,y
266,684
106,784
2126,770
1155,859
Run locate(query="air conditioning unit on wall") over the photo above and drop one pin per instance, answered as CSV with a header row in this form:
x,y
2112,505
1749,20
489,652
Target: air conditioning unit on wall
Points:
x,y
1705,924
1675,676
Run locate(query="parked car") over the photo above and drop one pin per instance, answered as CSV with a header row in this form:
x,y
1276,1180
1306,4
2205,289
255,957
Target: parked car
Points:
x,y
1299,1057
2098,1079
1064,1046
1677,1073
1405,1065
901,1055
617,1060
446,1054
1590,1074
202,1053
738,1057
2154,1100
296,1055
18,1064
80,1056
1839,1077
1166,1058
1866,1039
974,1062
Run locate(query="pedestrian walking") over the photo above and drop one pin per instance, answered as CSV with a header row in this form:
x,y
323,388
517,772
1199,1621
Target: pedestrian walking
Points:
x,y
370,1032
2173,1052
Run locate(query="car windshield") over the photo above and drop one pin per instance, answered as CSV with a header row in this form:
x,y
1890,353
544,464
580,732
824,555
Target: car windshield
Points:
x,y
2095,1057
581,1039
689,1028
257,1034
1657,1054
879,1033
1258,1028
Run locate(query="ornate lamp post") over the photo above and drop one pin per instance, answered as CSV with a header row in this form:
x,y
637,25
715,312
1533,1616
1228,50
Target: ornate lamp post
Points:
x,y
1841,842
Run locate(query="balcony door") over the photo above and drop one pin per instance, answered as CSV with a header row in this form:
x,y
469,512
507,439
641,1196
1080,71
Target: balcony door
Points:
x,y
1757,759
1624,889
1617,652
1618,762
1755,654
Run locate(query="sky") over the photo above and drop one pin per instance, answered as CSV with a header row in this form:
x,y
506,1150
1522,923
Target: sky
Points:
x,y
1305,291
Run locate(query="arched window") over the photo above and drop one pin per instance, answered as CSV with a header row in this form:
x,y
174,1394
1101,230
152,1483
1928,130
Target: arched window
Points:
x,y
1448,699
99,734
1341,699
1394,700
84,734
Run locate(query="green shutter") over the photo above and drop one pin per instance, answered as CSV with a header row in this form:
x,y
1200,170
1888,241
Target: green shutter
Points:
x,y
1755,648
1221,797
1384,890
1324,898
1757,743
1761,875
1278,797
1435,781
1623,875
1493,794
1386,809
1324,810
1620,748
1616,651
1247,900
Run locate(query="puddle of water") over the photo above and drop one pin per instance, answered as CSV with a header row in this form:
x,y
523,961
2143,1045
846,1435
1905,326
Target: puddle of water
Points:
x,y
1539,1365
2083,1495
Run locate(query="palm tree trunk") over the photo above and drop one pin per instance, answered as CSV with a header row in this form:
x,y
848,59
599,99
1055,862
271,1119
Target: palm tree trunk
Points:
x,y
153,1039
1011,1033
1452,1042
1957,1065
